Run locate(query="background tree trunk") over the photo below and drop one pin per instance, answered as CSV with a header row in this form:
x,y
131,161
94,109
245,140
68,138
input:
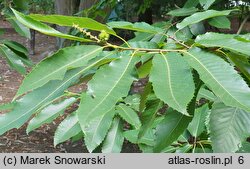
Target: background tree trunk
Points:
x,y
85,4
65,7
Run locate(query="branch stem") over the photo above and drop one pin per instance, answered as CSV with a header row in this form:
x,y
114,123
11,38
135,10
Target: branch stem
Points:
x,y
145,49
242,24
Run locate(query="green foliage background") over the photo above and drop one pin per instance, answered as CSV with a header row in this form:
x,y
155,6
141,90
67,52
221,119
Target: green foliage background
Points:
x,y
196,97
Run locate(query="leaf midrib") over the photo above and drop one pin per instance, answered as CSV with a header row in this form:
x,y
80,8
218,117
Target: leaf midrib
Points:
x,y
169,81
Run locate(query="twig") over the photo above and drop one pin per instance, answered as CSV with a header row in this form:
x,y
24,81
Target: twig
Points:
x,y
145,49
179,42
242,24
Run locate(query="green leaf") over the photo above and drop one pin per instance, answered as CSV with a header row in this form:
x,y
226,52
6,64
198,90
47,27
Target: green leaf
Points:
x,y
245,37
133,101
138,26
170,129
170,149
197,125
21,4
144,70
16,46
220,77
191,3
200,16
7,106
142,44
206,94
48,114
31,102
197,28
19,27
229,127
19,50
82,22
132,136
203,150
141,36
2,31
14,61
184,149
183,11
172,81
206,3
243,65
149,115
109,84
129,115
68,128
96,130
66,58
245,148
144,95
114,140
227,41
220,22
43,28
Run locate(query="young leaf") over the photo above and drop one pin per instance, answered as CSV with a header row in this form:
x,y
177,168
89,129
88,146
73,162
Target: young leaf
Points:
x,y
55,66
129,115
31,102
82,22
14,60
200,16
220,22
43,28
68,128
114,140
108,85
48,114
172,81
197,125
170,129
229,127
227,41
221,78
